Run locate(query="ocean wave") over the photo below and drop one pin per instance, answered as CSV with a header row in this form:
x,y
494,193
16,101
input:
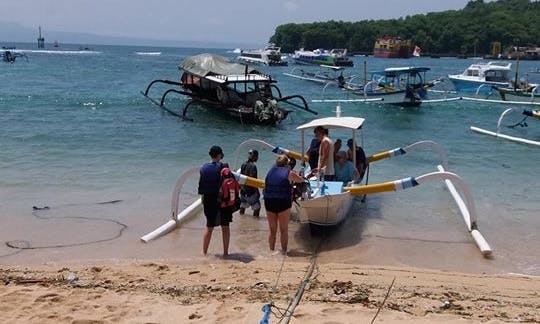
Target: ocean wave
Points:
x,y
57,52
148,53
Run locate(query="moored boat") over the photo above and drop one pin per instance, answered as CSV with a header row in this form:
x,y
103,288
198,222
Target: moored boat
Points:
x,y
392,47
479,77
403,86
230,88
335,57
270,55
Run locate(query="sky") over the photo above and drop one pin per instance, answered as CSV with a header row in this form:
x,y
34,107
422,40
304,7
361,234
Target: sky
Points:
x,y
240,21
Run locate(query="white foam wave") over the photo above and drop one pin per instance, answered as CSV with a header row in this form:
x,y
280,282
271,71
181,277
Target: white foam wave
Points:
x,y
148,53
57,52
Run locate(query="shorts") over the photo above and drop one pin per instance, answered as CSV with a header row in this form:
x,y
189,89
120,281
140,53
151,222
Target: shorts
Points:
x,y
212,212
250,200
277,205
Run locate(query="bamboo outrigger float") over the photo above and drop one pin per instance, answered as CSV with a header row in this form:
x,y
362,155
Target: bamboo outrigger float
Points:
x,y
327,203
229,88
497,133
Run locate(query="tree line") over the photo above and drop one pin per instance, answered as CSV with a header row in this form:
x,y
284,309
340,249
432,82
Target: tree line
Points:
x,y
472,29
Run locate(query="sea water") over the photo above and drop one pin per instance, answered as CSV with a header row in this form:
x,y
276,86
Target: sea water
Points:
x,y
98,161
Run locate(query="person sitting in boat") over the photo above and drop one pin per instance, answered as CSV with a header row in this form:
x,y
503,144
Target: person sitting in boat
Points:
x,y
361,161
345,170
250,196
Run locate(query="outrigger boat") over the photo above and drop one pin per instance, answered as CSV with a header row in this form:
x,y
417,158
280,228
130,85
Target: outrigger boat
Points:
x,y
527,92
327,203
230,88
522,123
10,56
402,86
326,74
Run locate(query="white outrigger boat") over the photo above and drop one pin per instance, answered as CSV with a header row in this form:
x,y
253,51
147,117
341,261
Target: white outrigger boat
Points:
x,y
497,133
327,203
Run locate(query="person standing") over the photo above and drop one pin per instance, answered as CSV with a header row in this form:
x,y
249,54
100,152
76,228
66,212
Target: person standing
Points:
x,y
313,152
278,201
250,196
326,153
209,185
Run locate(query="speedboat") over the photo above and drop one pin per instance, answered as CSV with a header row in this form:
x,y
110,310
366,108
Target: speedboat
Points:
x,y
270,55
479,77
231,88
335,57
402,86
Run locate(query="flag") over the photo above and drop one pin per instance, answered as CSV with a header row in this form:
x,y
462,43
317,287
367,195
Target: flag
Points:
x,y
417,51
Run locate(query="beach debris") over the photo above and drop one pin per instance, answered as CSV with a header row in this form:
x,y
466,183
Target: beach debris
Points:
x,y
194,316
193,272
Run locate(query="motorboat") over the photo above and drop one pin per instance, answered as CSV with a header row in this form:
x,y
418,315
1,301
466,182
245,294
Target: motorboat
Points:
x,y
402,86
247,95
270,55
479,77
334,57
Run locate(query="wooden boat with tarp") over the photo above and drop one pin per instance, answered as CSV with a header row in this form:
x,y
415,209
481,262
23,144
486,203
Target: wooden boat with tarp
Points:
x,y
249,96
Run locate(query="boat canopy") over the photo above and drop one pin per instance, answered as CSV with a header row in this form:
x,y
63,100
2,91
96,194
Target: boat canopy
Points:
x,y
334,122
210,64
401,70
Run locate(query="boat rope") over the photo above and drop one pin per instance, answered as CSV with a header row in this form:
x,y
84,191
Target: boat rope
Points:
x,y
21,245
285,315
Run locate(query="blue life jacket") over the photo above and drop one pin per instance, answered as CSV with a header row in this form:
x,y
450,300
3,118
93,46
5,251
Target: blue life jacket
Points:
x,y
210,178
277,185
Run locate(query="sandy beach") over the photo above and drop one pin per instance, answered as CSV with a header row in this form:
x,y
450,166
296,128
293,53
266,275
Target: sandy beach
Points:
x,y
231,291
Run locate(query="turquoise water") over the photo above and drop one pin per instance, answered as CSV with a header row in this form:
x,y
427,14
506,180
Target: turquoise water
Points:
x,y
75,131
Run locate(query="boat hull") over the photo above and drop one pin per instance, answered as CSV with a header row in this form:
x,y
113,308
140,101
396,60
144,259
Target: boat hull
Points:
x,y
326,210
484,87
509,94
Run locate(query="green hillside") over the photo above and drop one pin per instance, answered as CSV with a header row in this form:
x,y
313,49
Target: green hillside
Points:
x,y
510,22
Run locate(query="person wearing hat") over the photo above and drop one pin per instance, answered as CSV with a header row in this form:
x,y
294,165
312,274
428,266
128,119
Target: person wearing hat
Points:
x,y
361,161
250,196
209,185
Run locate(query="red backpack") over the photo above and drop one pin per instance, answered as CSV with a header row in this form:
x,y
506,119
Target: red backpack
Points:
x,y
229,191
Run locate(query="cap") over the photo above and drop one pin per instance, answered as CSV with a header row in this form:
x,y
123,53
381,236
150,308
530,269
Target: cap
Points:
x,y
215,150
225,172
253,152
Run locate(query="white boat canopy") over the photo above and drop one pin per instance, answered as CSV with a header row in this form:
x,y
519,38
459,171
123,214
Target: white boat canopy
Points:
x,y
334,122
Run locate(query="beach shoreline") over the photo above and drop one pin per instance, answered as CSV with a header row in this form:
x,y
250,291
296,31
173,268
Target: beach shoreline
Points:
x,y
234,291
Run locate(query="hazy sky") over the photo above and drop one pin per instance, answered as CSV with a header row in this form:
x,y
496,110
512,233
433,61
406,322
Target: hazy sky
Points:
x,y
247,21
